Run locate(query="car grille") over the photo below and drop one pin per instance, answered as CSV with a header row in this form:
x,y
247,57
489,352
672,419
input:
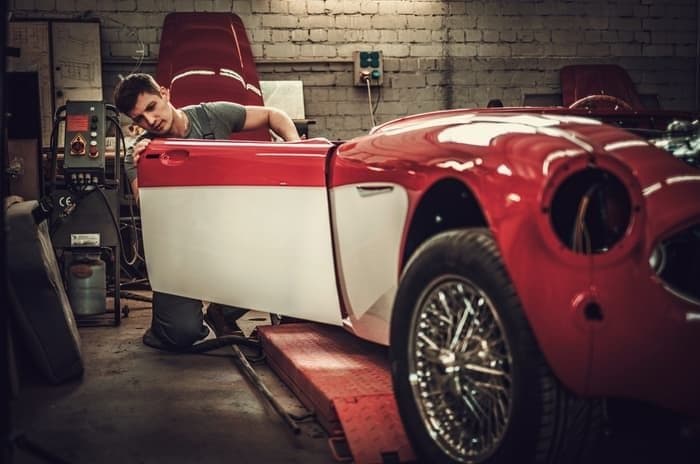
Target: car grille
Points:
x,y
676,260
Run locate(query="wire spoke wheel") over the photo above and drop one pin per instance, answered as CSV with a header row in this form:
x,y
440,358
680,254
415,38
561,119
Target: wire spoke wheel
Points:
x,y
459,368
471,383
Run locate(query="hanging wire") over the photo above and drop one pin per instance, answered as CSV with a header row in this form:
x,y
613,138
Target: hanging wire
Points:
x,y
369,100
379,97
132,32
581,240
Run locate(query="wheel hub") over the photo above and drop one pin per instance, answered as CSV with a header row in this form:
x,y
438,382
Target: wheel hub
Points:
x,y
459,368
447,358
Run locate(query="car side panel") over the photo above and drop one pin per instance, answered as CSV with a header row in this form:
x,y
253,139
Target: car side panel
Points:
x,y
368,223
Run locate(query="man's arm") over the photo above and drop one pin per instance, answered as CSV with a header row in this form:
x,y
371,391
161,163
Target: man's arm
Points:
x,y
135,189
277,120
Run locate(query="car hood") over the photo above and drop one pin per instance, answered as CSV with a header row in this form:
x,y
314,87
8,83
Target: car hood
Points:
x,y
505,153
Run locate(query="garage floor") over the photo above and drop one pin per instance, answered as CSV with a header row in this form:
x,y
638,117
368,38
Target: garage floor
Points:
x,y
138,405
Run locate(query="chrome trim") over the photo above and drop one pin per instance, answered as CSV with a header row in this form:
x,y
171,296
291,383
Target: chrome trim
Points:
x,y
460,369
680,295
371,190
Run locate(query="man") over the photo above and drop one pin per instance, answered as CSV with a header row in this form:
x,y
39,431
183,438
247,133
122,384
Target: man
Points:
x,y
148,104
177,322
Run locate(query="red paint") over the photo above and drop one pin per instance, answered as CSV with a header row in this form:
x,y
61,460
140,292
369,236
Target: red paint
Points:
x,y
644,325
345,381
185,163
579,81
213,42
643,332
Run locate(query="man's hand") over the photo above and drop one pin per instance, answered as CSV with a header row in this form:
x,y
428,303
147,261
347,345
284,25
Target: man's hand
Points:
x,y
138,149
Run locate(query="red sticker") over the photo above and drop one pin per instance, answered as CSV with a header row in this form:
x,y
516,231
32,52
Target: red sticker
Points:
x,y
77,122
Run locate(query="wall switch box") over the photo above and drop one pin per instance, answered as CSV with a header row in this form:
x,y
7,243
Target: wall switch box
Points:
x,y
368,66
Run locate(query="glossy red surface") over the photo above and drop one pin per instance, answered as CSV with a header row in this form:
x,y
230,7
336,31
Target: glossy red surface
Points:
x,y
512,177
513,163
207,57
643,347
185,163
309,358
579,81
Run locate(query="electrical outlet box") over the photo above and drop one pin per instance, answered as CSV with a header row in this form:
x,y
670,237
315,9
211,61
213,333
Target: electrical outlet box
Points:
x,y
368,66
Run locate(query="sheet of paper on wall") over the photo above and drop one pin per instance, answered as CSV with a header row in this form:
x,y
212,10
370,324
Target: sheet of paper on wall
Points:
x,y
287,96
76,54
77,61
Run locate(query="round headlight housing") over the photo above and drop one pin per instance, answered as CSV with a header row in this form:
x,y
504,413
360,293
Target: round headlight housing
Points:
x,y
591,211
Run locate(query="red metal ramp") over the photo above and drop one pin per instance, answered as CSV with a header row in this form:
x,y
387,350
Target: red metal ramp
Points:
x,y
346,382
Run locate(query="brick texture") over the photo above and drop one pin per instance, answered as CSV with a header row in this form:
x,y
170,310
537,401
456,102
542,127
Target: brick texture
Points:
x,y
438,54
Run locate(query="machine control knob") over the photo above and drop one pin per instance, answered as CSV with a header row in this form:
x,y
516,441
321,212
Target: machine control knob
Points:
x,y
77,147
93,152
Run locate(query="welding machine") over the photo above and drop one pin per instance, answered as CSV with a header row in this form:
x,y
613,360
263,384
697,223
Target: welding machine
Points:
x,y
82,206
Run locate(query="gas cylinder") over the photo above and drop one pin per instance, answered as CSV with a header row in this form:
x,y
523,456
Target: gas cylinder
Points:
x,y
87,287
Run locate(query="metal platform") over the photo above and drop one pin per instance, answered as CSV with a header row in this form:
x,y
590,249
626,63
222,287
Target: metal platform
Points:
x,y
346,382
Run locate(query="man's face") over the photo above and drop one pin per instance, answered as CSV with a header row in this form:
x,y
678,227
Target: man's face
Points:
x,y
153,112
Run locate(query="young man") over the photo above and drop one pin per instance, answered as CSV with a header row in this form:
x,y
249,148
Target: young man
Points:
x,y
177,321
148,104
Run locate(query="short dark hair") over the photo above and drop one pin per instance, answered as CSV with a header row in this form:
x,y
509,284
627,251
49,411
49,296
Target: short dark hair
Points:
x,y
128,90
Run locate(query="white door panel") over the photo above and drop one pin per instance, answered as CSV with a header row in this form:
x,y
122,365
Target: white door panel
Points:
x,y
264,248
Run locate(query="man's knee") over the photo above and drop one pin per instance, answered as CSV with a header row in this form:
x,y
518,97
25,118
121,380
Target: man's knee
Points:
x,y
177,321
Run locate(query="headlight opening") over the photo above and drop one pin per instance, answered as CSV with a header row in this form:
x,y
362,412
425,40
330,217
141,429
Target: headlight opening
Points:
x,y
591,211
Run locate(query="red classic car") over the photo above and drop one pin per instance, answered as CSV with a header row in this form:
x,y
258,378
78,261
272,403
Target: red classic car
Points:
x,y
521,264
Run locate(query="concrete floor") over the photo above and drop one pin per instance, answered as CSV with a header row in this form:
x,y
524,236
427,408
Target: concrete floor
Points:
x,y
139,405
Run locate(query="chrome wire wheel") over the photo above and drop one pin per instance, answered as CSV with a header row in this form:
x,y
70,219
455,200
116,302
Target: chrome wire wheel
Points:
x,y
459,369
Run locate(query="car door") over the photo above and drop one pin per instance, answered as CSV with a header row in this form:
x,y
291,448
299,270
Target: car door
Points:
x,y
240,223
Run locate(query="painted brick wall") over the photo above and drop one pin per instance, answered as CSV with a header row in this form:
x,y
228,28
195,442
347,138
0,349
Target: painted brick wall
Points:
x,y
437,54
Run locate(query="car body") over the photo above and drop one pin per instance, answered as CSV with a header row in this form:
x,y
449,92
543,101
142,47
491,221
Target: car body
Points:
x,y
581,214
522,264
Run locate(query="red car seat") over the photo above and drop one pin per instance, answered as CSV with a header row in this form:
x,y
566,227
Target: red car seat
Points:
x,y
580,81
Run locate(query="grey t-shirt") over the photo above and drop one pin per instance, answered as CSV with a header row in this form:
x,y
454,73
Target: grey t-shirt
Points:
x,y
224,118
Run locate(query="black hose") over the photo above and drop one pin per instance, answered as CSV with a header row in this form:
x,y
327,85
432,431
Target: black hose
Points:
x,y
212,344
53,150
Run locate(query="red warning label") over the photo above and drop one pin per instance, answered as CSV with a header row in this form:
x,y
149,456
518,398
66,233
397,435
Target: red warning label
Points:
x,y
77,122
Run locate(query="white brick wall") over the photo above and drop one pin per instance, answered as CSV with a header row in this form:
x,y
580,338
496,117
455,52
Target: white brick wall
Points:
x,y
438,54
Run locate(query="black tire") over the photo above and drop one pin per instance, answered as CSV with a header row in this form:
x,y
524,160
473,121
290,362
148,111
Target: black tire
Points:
x,y
492,368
